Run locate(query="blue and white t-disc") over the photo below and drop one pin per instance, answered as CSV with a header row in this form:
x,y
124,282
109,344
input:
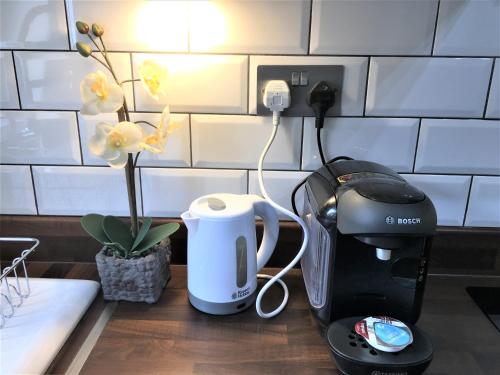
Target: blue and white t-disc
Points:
x,y
384,333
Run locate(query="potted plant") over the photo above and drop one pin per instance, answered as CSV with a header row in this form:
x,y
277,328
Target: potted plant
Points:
x,y
134,262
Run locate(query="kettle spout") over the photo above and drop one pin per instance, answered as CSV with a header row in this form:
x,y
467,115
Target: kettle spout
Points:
x,y
190,221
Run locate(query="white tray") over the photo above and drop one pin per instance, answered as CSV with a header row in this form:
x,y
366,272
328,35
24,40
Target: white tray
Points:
x,y
31,339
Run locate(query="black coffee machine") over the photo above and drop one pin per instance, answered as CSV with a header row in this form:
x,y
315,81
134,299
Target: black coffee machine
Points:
x,y
370,234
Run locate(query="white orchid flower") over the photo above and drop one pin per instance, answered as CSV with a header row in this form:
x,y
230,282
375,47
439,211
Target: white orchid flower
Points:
x,y
114,143
100,96
153,78
156,142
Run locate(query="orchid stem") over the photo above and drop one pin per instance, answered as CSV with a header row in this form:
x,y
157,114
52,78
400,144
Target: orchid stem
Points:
x,y
147,123
100,61
95,44
130,80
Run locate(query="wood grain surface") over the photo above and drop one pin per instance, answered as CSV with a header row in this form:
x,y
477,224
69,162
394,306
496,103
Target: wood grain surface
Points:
x,y
171,337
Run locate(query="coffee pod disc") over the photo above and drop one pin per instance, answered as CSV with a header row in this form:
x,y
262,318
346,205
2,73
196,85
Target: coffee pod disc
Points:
x,y
384,333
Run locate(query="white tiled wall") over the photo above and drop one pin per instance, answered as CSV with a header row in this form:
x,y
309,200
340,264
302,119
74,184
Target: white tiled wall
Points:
x,y
39,137
8,90
388,141
82,190
367,27
16,190
468,28
223,141
423,86
420,95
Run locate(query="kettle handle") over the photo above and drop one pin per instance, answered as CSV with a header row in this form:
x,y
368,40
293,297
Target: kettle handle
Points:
x,y
271,230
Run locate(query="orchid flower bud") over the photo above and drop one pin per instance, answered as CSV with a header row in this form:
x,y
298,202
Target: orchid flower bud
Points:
x,y
82,27
97,29
84,49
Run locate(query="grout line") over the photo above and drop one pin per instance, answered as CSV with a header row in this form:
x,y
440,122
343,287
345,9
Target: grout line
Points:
x,y
132,83
83,354
190,143
301,154
435,28
34,190
462,56
67,23
248,85
310,27
17,82
366,85
468,200
489,88
248,181
255,115
416,145
236,169
79,136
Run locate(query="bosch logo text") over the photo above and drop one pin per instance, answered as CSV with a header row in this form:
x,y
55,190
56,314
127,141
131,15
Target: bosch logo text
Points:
x,y
403,220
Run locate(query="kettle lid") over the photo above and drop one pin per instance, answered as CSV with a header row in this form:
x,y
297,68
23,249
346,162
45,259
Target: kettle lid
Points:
x,y
221,206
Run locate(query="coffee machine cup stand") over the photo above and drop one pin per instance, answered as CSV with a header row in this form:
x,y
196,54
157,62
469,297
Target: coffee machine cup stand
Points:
x,y
370,235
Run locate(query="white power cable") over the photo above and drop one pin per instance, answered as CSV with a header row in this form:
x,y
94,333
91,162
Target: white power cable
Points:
x,y
284,271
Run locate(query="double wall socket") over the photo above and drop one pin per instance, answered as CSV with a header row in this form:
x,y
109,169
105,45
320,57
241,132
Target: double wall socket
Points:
x,y
300,79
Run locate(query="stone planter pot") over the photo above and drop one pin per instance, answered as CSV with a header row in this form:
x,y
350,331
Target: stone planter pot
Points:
x,y
137,279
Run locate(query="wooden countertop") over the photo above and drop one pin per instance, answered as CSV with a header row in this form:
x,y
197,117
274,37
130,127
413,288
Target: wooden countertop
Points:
x,y
171,337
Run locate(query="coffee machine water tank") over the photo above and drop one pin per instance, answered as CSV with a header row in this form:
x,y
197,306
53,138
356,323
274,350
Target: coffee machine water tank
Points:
x,y
370,235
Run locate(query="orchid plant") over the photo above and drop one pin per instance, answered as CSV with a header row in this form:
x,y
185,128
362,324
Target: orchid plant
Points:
x,y
120,144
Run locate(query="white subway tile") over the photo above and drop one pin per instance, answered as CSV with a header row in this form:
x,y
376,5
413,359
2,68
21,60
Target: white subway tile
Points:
x,y
279,185
169,192
237,141
51,80
39,137
198,83
373,27
134,25
387,141
459,146
8,89
16,190
83,190
468,28
353,86
493,108
484,202
447,87
39,24
176,154
447,193
250,27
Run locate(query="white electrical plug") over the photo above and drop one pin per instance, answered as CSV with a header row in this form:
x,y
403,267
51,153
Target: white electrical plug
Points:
x,y
276,98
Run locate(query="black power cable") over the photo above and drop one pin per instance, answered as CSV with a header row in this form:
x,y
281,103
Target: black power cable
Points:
x,y
321,98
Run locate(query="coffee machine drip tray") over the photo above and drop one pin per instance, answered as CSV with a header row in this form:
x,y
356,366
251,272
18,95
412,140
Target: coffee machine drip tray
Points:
x,y
354,356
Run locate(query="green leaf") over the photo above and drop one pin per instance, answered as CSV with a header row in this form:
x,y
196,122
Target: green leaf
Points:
x,y
92,224
118,231
155,235
142,232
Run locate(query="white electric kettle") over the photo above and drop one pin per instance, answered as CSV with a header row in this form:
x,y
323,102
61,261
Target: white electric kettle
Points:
x,y
222,256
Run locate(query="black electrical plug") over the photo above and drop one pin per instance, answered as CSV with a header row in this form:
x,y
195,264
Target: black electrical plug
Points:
x,y
321,98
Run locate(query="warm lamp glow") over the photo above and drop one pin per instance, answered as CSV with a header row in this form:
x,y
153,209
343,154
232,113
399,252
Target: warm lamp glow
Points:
x,y
162,25
207,25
